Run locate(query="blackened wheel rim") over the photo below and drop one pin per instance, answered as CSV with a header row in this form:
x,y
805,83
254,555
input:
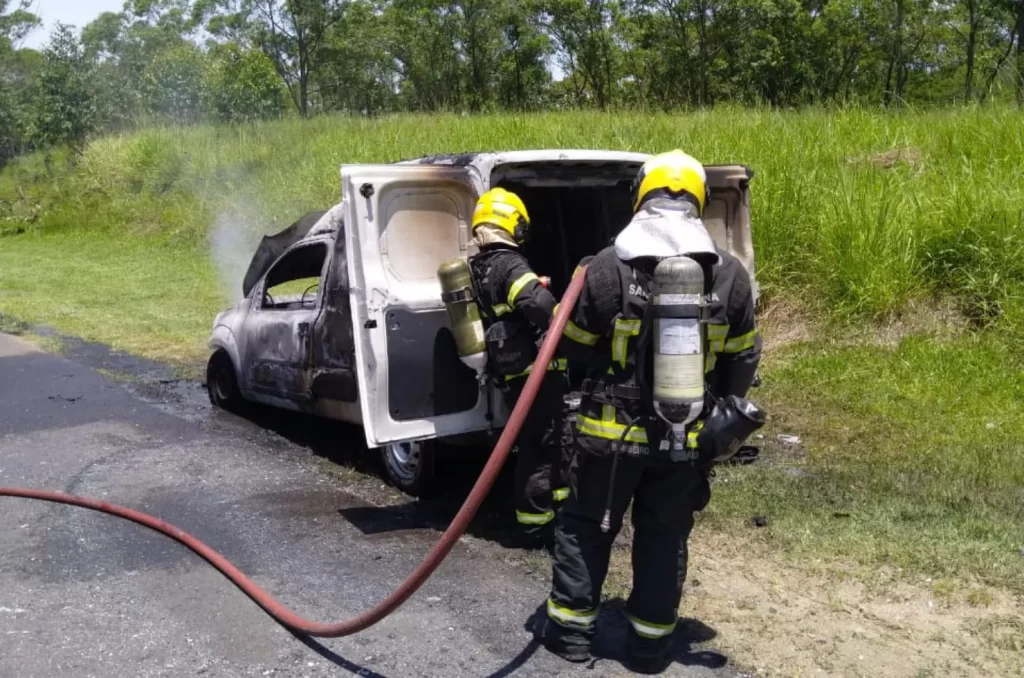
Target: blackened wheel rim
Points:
x,y
221,383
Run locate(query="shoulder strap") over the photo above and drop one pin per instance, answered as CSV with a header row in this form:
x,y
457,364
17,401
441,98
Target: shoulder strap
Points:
x,y
606,283
645,347
481,267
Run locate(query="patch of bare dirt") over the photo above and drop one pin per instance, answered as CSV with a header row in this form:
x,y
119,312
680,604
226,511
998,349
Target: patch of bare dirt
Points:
x,y
940,318
785,322
896,157
777,618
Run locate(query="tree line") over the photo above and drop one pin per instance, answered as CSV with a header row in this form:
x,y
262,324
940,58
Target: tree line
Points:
x,y
235,60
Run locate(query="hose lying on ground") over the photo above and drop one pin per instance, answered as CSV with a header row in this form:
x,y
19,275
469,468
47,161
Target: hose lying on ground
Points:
x,y
430,563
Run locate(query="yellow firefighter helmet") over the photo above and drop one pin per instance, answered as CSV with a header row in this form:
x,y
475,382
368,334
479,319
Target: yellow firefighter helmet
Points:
x,y
503,209
673,175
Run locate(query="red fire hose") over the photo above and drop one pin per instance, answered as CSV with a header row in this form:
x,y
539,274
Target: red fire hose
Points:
x,y
444,545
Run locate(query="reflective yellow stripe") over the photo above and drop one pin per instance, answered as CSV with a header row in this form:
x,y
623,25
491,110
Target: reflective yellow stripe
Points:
x,y
717,334
691,436
740,343
580,335
557,365
651,630
560,613
518,286
716,337
624,329
709,362
561,494
610,430
607,414
535,518
502,309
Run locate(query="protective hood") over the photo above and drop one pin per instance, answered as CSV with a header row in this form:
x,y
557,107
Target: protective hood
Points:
x,y
488,234
665,228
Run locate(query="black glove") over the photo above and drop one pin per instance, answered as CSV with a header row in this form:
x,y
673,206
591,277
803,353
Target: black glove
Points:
x,y
731,422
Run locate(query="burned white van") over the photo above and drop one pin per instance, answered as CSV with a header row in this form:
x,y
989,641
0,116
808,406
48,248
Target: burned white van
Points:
x,y
342,314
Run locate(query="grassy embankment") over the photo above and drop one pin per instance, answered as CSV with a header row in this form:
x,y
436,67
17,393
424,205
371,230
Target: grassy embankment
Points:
x,y
889,247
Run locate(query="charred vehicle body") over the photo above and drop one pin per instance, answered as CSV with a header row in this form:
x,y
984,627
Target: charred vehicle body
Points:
x,y
342,314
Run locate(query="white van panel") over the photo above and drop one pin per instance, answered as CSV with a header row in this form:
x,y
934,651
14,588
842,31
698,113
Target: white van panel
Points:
x,y
403,222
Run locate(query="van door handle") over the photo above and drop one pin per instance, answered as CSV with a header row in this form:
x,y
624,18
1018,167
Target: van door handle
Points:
x,y
304,329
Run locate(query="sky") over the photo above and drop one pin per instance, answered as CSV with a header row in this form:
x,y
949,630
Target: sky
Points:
x,y
75,12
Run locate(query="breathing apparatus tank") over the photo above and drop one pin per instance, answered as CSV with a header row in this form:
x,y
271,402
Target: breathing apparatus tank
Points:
x,y
679,309
463,314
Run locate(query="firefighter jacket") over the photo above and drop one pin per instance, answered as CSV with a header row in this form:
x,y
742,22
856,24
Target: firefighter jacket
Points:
x,y
603,334
516,309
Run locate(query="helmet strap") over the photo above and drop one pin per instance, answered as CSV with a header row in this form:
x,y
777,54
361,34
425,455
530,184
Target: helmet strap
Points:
x,y
522,230
666,194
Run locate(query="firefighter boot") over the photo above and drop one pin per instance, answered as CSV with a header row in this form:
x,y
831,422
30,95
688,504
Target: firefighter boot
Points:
x,y
647,655
570,644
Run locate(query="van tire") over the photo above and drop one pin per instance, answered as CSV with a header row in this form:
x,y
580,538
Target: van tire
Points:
x,y
410,466
222,383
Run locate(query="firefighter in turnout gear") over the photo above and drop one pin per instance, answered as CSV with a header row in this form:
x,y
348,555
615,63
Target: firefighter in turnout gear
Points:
x,y
625,452
517,309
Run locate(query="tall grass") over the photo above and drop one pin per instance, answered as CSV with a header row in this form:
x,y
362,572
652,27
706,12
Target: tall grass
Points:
x,y
857,211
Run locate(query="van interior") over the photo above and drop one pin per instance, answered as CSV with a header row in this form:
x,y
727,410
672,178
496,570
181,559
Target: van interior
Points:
x,y
576,208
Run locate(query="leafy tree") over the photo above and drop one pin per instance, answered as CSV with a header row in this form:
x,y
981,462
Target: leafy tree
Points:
x,y
173,84
65,107
1019,31
359,74
242,85
522,74
582,31
292,33
239,60
422,42
145,62
17,70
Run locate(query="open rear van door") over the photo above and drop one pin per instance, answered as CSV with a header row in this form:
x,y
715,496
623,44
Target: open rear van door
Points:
x,y
727,215
401,223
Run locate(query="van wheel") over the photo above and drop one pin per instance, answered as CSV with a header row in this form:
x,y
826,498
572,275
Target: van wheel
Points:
x,y
409,466
222,383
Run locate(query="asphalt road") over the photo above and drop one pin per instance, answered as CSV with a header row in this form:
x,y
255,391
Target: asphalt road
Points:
x,y
289,500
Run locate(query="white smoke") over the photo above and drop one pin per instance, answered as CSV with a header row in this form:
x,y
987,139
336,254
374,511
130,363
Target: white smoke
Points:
x,y
233,240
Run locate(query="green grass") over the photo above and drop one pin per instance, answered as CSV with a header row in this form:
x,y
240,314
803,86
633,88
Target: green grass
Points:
x,y
915,458
860,217
152,298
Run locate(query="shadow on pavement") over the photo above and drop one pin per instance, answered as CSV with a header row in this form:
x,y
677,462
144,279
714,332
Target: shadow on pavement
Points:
x,y
509,669
517,662
613,629
457,471
332,656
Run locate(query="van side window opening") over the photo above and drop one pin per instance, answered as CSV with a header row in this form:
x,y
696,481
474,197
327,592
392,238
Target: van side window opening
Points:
x,y
294,282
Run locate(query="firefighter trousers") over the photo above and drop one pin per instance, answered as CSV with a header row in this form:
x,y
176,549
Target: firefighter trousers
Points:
x,y
664,496
538,469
